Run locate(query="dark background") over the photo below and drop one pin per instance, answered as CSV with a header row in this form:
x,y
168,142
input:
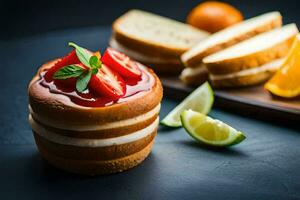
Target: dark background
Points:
x,y
265,166
20,18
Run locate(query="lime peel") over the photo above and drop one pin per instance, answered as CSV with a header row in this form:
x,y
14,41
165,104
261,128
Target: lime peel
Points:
x,y
200,100
210,131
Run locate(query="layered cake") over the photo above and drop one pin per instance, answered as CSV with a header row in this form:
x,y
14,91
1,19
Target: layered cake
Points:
x,y
94,115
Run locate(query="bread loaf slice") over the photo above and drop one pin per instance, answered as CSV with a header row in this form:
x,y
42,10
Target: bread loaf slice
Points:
x,y
246,77
253,52
162,65
194,76
230,36
141,57
155,35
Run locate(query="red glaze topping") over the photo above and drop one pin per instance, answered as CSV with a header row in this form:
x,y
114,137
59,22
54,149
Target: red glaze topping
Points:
x,y
118,79
90,99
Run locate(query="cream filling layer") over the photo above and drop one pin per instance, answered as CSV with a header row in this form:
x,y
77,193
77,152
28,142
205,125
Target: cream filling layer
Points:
x,y
271,66
56,138
140,56
111,125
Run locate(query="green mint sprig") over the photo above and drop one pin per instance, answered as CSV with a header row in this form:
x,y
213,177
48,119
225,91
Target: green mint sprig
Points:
x,y
84,75
68,72
83,80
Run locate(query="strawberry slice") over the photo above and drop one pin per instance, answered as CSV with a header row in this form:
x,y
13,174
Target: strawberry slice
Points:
x,y
108,83
121,63
69,59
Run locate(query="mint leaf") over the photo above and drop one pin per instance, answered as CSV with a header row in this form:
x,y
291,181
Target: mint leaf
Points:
x,y
94,70
95,62
83,81
83,54
68,72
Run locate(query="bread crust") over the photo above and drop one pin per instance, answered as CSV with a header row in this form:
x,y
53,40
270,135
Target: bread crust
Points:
x,y
94,167
240,81
197,59
166,65
144,46
251,60
140,55
55,107
195,79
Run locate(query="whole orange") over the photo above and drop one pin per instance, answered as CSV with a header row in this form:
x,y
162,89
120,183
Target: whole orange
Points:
x,y
213,16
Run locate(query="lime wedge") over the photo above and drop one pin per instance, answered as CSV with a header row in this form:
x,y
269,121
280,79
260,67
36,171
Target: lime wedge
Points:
x,y
210,131
200,100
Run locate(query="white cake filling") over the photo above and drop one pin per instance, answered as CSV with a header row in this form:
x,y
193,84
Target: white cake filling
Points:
x,y
116,124
51,136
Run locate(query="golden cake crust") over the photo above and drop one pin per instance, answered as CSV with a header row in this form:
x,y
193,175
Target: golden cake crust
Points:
x,y
93,140
94,153
101,134
95,167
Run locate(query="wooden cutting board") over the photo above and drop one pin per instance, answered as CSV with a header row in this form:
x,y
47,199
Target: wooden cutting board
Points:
x,y
248,101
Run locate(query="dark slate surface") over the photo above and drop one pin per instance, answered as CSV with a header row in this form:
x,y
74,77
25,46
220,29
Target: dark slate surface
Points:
x,y
265,166
34,16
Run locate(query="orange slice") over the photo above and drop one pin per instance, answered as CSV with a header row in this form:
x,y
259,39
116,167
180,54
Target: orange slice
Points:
x,y
286,81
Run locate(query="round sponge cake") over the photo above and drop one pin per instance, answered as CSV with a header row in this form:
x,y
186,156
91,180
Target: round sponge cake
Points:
x,y
94,140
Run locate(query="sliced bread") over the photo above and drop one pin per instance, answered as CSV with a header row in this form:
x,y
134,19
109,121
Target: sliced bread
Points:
x,y
230,36
141,57
194,76
253,52
161,64
155,35
246,77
